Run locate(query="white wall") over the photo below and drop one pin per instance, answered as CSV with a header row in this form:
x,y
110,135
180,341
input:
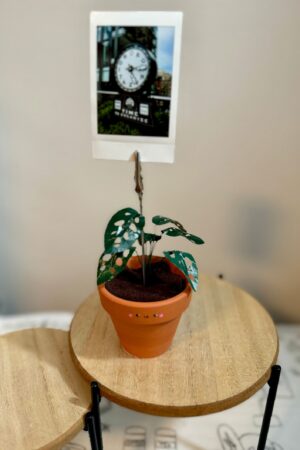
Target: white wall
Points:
x,y
236,177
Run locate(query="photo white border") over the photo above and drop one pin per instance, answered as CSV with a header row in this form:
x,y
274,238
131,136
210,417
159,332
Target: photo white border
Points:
x,y
151,149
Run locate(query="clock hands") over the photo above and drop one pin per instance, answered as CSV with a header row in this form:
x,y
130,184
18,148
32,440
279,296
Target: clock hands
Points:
x,y
141,68
134,72
133,77
130,70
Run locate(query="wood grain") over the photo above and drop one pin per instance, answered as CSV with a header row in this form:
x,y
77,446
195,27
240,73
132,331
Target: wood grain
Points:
x,y
43,398
222,353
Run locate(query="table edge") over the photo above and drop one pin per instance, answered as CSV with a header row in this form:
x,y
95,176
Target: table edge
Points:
x,y
71,432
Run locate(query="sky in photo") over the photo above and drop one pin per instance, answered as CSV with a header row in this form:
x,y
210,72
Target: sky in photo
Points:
x,y
165,47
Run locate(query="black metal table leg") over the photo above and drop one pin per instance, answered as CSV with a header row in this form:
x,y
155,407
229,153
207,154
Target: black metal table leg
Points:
x,y
90,426
96,399
273,383
93,419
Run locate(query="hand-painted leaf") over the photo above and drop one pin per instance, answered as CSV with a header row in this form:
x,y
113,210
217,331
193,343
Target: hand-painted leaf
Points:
x,y
110,264
172,231
162,220
123,230
186,263
151,237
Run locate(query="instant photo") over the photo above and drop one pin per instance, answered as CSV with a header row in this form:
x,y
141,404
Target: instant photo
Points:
x,y
135,84
134,80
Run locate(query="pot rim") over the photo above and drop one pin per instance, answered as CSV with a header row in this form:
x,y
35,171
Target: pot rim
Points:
x,y
147,305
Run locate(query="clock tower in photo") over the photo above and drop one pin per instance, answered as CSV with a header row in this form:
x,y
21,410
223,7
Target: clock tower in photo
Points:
x,y
135,72
133,96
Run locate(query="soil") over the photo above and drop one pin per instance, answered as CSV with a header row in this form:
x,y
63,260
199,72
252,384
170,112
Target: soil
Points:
x,y
161,284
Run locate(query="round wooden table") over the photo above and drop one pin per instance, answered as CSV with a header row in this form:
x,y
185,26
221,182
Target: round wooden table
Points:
x,y
223,352
43,398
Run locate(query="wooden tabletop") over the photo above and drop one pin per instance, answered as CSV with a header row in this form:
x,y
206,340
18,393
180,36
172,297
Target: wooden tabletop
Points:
x,y
43,398
222,354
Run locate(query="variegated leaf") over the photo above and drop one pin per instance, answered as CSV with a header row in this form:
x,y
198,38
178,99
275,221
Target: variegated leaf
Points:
x,y
172,231
110,264
151,237
162,220
186,263
123,230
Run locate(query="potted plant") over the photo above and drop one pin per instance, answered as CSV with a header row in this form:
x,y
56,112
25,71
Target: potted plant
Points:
x,y
144,294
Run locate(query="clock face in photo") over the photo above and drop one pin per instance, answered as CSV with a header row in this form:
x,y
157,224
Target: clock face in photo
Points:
x,y
132,68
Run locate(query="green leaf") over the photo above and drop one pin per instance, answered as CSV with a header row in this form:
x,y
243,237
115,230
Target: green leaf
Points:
x,y
123,230
172,231
110,264
162,220
186,263
151,237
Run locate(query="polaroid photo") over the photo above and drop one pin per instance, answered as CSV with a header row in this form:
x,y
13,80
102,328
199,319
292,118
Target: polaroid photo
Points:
x,y
134,61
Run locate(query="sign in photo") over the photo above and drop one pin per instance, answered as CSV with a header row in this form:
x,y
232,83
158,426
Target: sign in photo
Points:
x,y
134,84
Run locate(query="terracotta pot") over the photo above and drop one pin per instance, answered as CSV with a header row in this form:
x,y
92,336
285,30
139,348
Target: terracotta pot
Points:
x,y
146,329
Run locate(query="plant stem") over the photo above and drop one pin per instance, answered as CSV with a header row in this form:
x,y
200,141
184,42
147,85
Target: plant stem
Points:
x,y
152,246
143,245
139,258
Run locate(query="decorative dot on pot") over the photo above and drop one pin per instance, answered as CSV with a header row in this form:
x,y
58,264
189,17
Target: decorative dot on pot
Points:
x,y
161,315
130,315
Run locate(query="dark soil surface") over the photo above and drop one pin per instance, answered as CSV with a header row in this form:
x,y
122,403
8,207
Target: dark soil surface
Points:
x,y
161,284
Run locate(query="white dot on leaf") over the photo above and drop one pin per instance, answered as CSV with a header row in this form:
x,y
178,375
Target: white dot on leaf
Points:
x,y
119,262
